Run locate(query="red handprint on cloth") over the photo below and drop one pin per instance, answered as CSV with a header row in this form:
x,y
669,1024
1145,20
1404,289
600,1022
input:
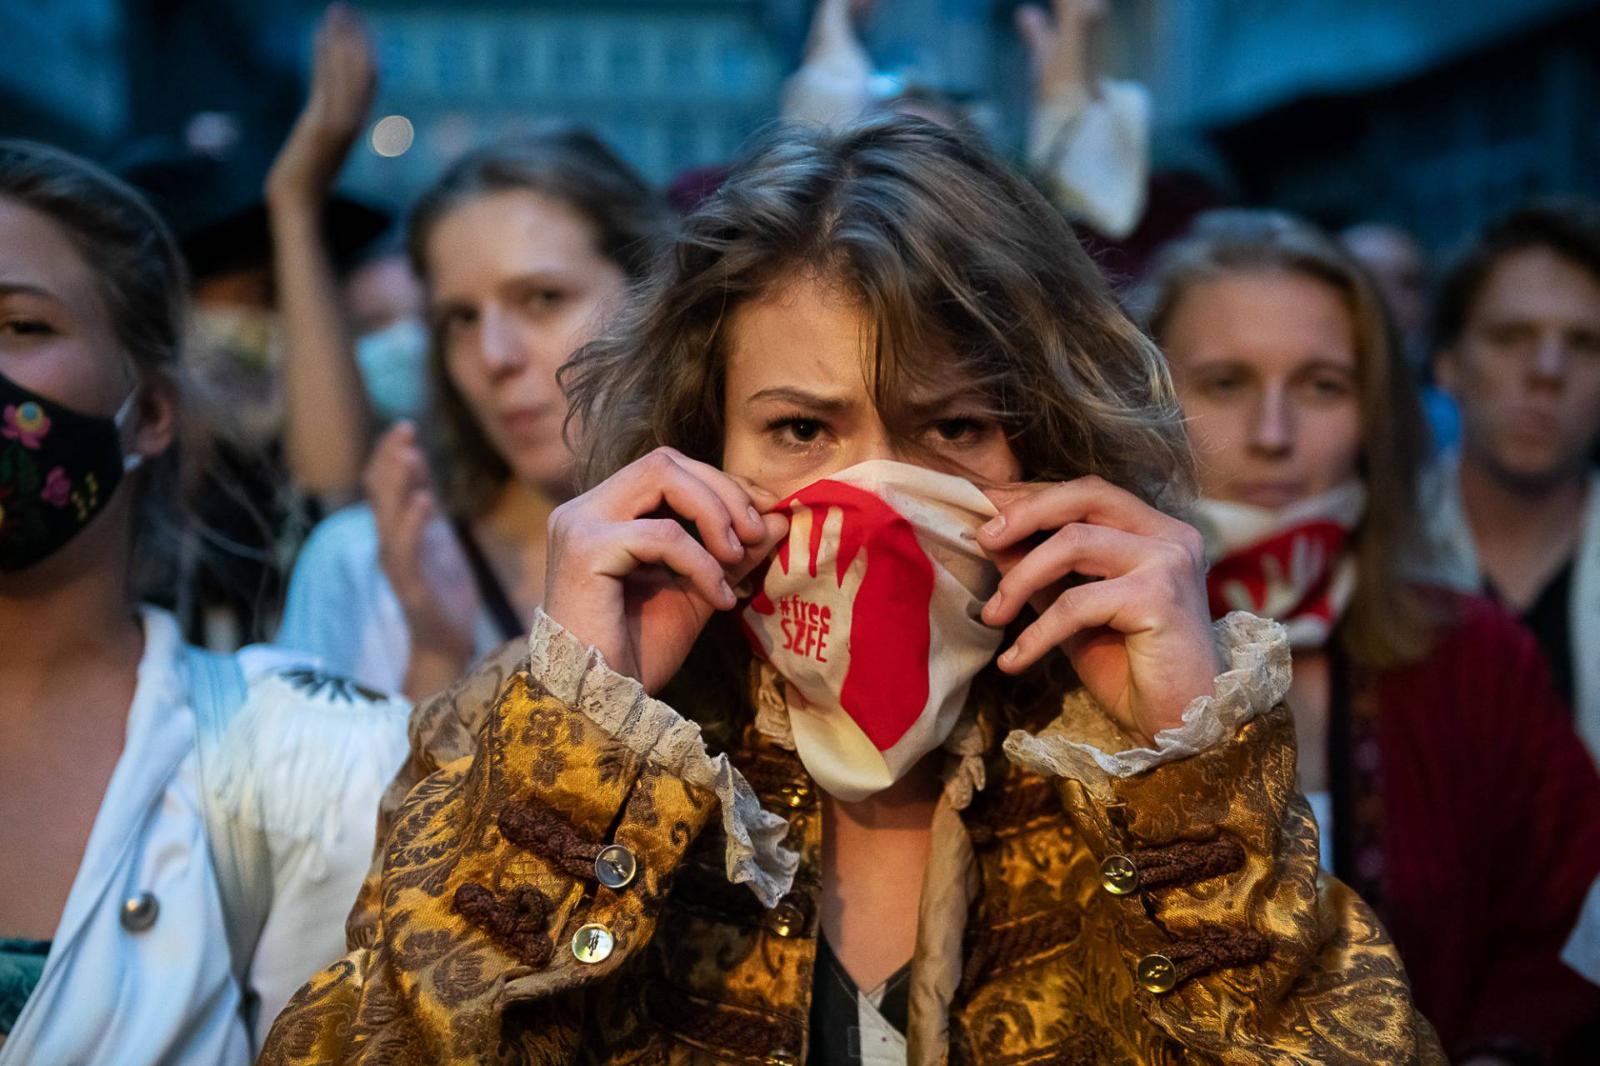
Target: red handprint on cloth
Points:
x,y
1288,576
842,610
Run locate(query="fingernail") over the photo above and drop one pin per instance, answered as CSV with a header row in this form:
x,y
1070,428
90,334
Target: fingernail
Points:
x,y
733,540
755,515
993,527
1009,657
727,594
996,601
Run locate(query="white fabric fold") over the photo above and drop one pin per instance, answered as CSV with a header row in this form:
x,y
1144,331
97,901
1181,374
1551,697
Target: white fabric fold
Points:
x,y
964,772
1094,151
1582,951
578,675
1085,745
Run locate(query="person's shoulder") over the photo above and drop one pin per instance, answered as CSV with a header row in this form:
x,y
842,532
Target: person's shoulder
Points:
x,y
1482,661
349,533
301,679
336,578
1473,622
301,738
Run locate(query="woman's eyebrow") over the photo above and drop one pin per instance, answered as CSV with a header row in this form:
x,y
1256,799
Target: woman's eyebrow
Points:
x,y
814,401
18,288
938,405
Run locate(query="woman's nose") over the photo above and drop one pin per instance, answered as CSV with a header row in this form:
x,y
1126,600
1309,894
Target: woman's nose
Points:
x,y
501,342
874,444
1272,430
1549,359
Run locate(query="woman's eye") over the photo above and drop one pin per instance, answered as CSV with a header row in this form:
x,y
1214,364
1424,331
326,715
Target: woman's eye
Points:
x,y
956,430
453,322
796,433
26,327
1510,335
1329,388
804,430
543,299
1223,386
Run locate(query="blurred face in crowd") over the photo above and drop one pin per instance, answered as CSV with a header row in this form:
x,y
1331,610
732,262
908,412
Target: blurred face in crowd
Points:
x,y
57,339
1526,369
517,283
799,405
1265,364
381,292
1395,262
56,336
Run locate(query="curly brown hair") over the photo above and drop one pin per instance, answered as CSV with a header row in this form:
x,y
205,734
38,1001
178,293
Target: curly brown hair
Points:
x,y
961,265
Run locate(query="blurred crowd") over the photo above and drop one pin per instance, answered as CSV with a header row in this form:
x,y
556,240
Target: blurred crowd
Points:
x,y
316,452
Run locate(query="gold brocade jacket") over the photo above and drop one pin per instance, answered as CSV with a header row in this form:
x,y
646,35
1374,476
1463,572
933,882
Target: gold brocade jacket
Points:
x,y
556,884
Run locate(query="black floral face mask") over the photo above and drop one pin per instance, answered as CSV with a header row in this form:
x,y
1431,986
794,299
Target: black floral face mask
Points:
x,y
58,469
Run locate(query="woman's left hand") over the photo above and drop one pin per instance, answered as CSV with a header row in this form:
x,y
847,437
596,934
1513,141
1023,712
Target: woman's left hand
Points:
x,y
1140,636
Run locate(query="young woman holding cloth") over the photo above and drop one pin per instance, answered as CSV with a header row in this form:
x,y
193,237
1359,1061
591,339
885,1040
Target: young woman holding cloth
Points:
x,y
875,410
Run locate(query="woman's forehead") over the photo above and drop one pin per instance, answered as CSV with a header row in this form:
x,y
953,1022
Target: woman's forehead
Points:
x,y
36,254
804,332
813,336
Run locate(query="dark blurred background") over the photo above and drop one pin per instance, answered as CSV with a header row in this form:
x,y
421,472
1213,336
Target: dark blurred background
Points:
x,y
1425,111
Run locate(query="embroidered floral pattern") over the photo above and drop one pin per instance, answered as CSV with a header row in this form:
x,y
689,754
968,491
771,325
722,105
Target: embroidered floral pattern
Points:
x,y
57,488
331,687
26,423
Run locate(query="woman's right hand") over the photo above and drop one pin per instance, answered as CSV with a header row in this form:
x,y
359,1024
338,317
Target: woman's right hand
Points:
x,y
343,83
422,559
1058,45
625,576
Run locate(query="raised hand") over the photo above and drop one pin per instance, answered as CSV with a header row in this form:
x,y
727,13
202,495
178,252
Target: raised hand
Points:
x,y
1139,633
343,83
423,561
626,576
1058,46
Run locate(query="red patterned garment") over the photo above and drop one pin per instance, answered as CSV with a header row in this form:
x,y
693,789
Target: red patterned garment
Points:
x,y
1468,813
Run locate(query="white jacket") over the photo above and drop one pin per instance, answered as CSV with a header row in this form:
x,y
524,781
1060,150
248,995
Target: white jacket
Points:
x,y
299,771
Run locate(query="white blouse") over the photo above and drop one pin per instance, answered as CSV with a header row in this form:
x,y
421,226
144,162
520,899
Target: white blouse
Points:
x,y
342,609
139,969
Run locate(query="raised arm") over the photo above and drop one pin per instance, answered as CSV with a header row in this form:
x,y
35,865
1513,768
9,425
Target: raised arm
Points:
x,y
1089,139
328,420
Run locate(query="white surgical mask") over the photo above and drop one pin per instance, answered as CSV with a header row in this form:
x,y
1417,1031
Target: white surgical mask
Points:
x,y
871,614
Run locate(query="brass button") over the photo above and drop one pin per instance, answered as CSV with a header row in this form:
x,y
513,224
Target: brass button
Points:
x,y
139,912
1118,875
786,920
615,866
796,795
592,943
780,1058
1157,974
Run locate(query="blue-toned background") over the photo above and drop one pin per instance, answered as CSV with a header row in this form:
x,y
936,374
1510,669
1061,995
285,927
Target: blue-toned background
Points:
x,y
1434,112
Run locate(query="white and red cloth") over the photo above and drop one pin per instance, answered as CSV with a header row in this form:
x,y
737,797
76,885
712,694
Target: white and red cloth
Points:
x,y
870,613
1292,564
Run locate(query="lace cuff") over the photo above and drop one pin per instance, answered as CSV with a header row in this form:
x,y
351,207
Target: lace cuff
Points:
x,y
1075,745
578,676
